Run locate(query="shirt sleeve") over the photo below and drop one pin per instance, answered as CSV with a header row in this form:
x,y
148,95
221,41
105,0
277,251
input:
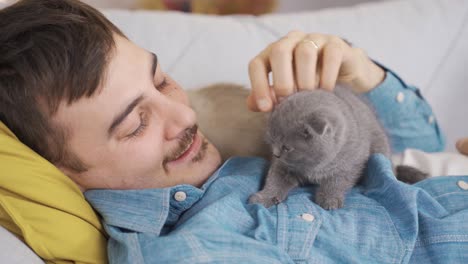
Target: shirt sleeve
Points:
x,y
406,116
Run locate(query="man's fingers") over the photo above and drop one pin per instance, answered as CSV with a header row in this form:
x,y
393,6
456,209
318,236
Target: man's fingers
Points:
x,y
462,146
274,58
258,73
252,104
305,57
331,62
281,62
297,61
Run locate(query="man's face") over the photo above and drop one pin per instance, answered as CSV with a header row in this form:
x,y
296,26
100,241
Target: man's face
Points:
x,y
138,131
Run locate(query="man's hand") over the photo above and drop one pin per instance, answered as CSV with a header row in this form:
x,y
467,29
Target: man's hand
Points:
x,y
462,146
301,61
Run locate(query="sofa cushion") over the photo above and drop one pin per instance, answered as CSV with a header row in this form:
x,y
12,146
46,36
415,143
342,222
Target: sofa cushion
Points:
x,y
15,251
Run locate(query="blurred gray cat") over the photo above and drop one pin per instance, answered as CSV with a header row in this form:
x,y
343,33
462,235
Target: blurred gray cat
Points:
x,y
225,120
320,137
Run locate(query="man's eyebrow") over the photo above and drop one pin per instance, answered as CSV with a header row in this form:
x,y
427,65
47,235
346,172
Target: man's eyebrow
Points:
x,y
121,117
154,66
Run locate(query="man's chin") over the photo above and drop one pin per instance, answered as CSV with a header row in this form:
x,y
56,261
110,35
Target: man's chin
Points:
x,y
209,163
200,167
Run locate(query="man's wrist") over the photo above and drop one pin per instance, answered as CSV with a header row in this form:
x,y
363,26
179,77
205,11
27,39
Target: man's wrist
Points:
x,y
372,77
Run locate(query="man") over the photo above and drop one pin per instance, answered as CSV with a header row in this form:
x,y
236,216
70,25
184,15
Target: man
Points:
x,y
106,114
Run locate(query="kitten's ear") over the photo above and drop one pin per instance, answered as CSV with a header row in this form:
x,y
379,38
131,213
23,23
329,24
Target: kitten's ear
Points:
x,y
326,129
320,129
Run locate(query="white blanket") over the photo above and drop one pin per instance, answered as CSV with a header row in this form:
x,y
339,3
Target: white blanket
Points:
x,y
436,164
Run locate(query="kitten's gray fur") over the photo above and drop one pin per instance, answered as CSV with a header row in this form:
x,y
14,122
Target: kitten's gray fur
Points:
x,y
323,138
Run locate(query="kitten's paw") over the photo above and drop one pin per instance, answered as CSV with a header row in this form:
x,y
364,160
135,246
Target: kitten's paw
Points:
x,y
267,201
329,203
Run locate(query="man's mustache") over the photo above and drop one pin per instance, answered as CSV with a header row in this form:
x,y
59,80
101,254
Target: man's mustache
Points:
x,y
184,143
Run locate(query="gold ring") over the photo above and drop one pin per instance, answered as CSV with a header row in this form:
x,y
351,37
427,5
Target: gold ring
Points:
x,y
310,41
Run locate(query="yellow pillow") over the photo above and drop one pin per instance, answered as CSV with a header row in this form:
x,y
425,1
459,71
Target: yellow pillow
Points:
x,y
45,208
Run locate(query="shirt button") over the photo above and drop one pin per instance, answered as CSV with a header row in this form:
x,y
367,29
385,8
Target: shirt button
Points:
x,y
431,119
308,217
180,196
400,97
463,185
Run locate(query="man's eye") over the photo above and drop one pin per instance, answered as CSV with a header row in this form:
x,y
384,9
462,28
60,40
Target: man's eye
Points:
x,y
162,85
141,128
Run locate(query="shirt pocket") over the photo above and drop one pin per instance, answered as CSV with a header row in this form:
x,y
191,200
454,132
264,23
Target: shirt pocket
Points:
x,y
298,224
444,238
360,232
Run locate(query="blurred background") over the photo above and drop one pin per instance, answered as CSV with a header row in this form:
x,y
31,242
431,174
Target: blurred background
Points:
x,y
221,7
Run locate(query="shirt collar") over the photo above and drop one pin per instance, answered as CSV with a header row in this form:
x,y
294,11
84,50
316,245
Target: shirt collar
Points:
x,y
146,210
138,210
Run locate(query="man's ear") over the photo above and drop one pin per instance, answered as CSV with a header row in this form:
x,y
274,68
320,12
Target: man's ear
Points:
x,y
72,175
462,146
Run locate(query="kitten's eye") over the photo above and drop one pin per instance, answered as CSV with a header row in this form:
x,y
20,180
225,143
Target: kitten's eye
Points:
x,y
306,133
287,149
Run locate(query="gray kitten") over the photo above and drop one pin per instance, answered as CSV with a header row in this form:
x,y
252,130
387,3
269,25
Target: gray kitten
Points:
x,y
236,131
320,137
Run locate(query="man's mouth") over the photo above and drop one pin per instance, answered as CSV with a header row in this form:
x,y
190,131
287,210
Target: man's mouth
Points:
x,y
191,146
187,148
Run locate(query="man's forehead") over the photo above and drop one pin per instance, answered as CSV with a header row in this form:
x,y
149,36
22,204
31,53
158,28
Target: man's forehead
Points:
x,y
126,75
126,63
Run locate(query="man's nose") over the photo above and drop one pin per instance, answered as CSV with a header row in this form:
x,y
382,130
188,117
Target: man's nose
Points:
x,y
177,118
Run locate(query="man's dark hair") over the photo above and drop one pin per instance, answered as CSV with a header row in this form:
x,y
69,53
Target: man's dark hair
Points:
x,y
51,51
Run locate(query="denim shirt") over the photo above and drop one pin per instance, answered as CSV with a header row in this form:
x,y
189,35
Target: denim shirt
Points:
x,y
383,220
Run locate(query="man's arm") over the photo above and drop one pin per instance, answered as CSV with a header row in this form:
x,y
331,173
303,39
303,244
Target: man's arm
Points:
x,y
406,116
